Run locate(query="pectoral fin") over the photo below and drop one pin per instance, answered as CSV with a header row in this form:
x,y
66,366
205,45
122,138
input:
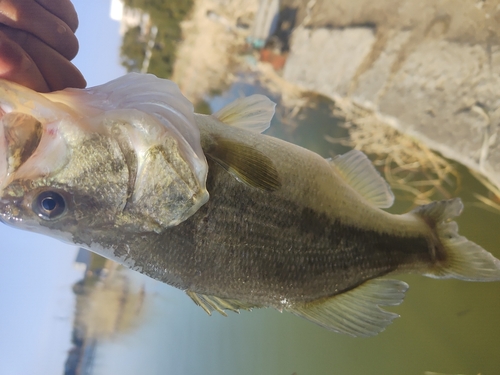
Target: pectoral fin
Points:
x,y
359,172
356,312
212,303
245,163
253,113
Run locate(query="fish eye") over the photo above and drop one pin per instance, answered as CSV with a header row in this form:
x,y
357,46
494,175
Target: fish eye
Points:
x,y
49,205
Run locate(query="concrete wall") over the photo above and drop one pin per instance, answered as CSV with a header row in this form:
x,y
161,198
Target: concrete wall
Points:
x,y
434,69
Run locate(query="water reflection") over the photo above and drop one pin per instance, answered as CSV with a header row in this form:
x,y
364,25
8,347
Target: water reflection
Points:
x,y
108,304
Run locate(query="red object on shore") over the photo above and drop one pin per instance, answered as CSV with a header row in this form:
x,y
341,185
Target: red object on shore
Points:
x,y
276,60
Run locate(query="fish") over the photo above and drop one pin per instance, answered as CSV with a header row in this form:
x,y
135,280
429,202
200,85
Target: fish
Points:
x,y
208,204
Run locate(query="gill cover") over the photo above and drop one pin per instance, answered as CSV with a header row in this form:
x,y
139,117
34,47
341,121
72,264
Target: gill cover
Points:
x,y
146,94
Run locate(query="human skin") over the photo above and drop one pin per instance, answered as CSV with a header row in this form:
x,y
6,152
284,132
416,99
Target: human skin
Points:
x,y
37,43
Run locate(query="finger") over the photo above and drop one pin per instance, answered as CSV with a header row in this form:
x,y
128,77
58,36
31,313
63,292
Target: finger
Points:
x,y
62,9
17,66
30,16
57,71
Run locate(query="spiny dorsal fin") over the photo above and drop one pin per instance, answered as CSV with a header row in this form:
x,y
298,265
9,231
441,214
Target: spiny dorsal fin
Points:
x,y
253,113
359,172
356,312
212,303
246,164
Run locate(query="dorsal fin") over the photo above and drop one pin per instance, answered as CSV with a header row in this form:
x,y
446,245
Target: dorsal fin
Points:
x,y
253,113
245,163
359,172
356,312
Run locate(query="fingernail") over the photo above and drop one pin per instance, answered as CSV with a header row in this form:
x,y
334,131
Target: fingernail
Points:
x,y
61,29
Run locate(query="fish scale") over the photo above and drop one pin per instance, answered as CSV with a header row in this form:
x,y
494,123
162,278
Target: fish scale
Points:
x,y
308,261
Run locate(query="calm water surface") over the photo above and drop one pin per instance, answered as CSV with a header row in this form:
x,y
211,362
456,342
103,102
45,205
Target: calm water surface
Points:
x,y
446,326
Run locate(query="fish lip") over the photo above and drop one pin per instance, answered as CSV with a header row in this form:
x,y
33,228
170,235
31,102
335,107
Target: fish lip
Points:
x,y
5,214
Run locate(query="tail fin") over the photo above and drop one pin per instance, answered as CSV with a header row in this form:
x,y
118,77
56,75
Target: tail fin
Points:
x,y
463,259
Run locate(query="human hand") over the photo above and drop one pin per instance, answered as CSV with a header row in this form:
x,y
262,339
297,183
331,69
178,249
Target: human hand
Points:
x,y
37,42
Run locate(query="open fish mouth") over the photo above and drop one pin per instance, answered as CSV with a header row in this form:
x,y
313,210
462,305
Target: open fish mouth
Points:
x,y
21,136
28,121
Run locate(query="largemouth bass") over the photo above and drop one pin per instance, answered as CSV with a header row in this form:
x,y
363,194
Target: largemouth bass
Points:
x,y
207,204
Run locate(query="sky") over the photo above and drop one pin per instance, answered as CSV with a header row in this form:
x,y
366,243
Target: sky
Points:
x,y
36,272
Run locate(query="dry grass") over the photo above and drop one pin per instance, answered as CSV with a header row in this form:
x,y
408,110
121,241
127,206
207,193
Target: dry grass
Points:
x,y
407,164
492,201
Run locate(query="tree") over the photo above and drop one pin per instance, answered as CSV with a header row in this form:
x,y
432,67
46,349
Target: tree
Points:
x,y
167,16
133,49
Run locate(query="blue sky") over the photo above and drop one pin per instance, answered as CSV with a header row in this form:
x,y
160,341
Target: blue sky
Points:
x,y
36,273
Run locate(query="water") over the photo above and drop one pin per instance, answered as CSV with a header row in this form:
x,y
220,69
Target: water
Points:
x,y
446,326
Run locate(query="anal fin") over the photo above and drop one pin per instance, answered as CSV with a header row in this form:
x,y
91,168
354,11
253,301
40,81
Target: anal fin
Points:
x,y
212,303
356,312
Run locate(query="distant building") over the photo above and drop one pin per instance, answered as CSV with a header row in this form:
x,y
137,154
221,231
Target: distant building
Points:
x,y
83,259
116,11
128,17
